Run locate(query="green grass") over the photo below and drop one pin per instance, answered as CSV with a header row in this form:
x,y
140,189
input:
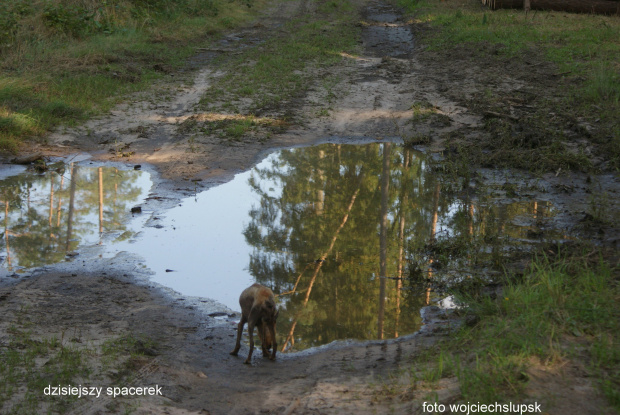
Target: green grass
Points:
x,y
28,365
540,318
585,45
578,41
282,69
61,62
547,317
584,50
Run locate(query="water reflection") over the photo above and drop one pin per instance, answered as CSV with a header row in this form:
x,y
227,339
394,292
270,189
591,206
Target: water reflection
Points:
x,y
347,236
332,242
337,227
48,216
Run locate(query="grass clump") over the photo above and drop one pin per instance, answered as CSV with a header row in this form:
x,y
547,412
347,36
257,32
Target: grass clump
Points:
x,y
232,128
560,310
62,61
28,365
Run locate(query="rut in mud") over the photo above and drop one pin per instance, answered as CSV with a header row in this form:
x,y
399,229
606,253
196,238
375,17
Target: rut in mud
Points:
x,y
376,92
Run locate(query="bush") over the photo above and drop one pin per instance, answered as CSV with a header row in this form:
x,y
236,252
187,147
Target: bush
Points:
x,y
11,12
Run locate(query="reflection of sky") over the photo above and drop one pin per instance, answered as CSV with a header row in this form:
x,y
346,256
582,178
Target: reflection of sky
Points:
x,y
202,242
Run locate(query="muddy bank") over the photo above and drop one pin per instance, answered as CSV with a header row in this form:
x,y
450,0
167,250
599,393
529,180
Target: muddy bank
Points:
x,y
187,354
182,351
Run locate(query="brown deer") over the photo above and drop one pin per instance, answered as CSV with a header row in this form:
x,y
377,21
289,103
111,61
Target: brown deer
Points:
x,y
258,309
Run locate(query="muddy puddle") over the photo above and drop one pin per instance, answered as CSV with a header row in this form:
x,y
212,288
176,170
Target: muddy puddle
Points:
x,y
46,217
348,236
385,34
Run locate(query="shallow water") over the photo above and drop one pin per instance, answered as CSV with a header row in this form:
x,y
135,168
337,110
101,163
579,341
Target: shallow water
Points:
x,y
347,236
46,217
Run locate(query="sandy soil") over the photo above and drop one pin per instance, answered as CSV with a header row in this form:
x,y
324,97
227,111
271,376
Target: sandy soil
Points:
x,y
192,364
191,361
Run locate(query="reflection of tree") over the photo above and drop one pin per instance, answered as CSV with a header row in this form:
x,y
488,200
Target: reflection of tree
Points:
x,y
319,263
322,189
332,218
404,190
383,224
71,206
427,298
40,230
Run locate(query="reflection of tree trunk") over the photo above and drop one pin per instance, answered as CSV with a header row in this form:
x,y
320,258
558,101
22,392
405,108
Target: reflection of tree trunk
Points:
x,y
114,204
470,226
321,260
51,200
471,219
6,233
62,182
435,211
385,184
71,204
401,237
294,290
320,204
100,202
433,233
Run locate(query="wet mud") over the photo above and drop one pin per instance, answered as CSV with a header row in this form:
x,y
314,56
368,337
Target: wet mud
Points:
x,y
386,34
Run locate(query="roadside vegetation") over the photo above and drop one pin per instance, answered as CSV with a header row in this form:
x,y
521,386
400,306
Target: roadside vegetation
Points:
x,y
565,307
62,61
570,122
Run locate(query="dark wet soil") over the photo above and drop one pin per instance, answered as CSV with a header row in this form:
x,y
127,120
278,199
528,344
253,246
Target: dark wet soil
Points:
x,y
386,33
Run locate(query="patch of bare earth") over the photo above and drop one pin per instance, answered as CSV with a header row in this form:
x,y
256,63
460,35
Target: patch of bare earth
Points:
x,y
188,354
567,387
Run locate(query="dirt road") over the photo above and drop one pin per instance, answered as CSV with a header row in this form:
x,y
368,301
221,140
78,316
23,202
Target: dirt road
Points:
x,y
189,359
189,356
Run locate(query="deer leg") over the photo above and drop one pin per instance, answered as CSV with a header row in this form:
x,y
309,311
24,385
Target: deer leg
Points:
x,y
274,345
251,332
239,333
262,338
